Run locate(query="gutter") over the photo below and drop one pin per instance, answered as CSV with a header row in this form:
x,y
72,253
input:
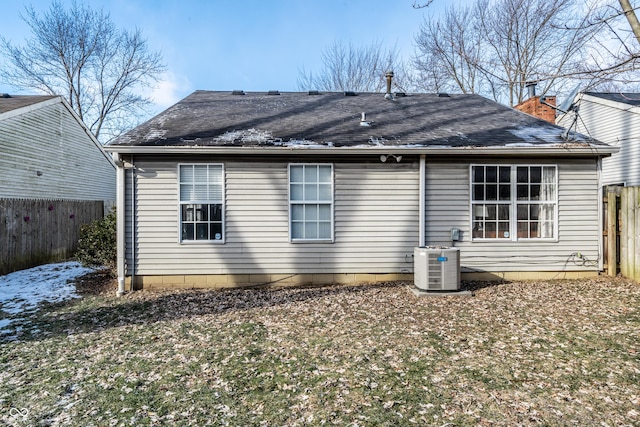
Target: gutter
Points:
x,y
551,149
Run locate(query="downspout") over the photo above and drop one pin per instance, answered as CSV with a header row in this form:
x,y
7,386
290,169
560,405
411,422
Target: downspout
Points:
x,y
422,200
600,215
133,223
120,221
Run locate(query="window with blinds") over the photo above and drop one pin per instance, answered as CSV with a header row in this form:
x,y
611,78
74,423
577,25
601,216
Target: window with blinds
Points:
x,y
201,202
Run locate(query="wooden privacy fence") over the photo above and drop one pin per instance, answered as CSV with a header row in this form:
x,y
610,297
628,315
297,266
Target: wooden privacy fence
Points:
x,y
33,232
622,231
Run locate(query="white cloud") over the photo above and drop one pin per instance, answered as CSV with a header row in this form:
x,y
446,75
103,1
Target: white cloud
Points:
x,y
170,89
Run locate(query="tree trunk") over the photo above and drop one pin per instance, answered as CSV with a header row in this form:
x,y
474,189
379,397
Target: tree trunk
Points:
x,y
631,17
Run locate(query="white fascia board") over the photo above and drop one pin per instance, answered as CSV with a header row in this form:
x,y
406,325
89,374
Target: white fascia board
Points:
x,y
551,150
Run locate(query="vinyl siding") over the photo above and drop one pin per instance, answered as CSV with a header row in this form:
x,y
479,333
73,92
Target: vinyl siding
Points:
x,y
375,222
448,206
616,124
50,140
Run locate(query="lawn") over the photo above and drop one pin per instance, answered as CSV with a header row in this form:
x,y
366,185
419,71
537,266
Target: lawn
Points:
x,y
522,353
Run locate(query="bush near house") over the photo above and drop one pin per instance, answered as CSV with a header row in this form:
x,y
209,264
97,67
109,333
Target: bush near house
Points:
x,y
97,243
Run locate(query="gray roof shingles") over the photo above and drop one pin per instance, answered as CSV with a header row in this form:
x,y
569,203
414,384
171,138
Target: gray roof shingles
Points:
x,y
207,118
625,98
14,102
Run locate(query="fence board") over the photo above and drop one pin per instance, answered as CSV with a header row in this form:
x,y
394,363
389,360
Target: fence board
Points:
x,y
34,232
630,232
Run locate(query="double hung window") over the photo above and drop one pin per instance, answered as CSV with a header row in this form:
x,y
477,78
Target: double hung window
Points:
x,y
201,202
311,202
514,202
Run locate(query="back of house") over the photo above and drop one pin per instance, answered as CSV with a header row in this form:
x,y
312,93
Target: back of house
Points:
x,y
234,188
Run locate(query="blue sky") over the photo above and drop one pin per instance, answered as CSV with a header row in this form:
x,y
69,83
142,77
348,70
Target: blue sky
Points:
x,y
254,45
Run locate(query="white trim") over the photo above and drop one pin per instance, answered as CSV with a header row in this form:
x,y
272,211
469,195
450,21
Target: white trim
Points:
x,y
331,204
555,150
513,204
223,201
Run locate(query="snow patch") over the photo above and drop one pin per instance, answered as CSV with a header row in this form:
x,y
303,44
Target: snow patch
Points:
x,y
535,134
22,291
246,135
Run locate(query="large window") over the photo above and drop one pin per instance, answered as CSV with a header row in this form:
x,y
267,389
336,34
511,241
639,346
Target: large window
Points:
x,y
201,202
311,202
513,202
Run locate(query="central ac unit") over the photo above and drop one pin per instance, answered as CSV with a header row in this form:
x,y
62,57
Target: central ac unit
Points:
x,y
436,268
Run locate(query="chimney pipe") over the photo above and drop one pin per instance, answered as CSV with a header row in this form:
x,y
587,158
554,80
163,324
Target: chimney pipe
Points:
x,y
531,86
389,76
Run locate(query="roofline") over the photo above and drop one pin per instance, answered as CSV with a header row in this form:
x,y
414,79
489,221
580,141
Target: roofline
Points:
x,y
55,100
609,103
581,150
31,107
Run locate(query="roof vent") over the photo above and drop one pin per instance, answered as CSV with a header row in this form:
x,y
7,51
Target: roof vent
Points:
x,y
314,92
363,120
443,95
389,76
400,94
238,92
273,92
5,95
349,93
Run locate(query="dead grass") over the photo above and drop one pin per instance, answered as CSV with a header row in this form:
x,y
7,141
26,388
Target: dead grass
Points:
x,y
523,353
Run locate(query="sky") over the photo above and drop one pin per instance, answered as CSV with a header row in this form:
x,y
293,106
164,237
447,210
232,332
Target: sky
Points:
x,y
253,45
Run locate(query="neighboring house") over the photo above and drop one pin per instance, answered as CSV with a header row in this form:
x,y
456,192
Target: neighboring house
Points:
x,y
54,177
234,188
48,153
613,118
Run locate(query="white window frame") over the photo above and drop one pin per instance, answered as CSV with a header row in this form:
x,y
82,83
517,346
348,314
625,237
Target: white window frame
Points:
x,y
221,201
513,204
292,203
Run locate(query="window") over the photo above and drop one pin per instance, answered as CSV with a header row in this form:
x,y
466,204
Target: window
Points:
x,y
201,202
513,202
311,202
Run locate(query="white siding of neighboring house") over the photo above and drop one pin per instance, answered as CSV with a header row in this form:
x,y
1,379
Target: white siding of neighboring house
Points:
x,y
376,222
46,138
448,206
614,123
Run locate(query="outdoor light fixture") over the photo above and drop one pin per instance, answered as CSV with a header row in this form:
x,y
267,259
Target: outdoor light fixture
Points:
x,y
385,157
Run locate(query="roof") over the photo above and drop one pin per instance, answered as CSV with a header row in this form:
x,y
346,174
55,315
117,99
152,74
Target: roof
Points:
x,y
625,98
296,120
13,102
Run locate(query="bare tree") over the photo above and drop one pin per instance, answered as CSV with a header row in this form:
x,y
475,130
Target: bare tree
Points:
x,y
79,53
505,43
346,67
496,47
450,47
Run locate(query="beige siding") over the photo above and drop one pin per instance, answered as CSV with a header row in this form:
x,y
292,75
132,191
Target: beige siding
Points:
x,y
447,207
49,140
616,124
375,214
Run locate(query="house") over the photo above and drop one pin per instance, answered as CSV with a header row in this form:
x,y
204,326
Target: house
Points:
x,y
48,153
235,188
54,177
613,118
